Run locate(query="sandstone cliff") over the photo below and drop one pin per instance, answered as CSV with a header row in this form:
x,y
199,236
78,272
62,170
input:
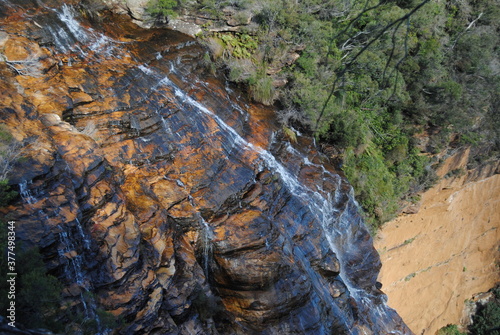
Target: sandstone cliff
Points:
x,y
158,195
448,250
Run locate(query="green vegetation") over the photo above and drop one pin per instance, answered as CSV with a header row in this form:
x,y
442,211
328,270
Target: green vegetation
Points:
x,y
172,8
410,276
450,330
37,294
456,173
10,151
487,318
370,78
486,321
163,8
80,323
408,241
6,194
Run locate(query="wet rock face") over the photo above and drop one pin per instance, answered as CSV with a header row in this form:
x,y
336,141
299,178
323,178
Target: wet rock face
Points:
x,y
162,192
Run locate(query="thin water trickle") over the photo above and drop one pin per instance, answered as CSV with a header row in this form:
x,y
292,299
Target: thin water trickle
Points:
x,y
207,237
66,16
25,192
68,251
315,201
74,260
75,271
84,237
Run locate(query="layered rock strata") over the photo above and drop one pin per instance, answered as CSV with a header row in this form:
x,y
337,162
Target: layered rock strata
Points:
x,y
169,198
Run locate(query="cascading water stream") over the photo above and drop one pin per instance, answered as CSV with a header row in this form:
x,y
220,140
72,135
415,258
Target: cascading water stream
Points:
x,y
74,268
317,202
70,38
26,192
83,235
334,220
74,260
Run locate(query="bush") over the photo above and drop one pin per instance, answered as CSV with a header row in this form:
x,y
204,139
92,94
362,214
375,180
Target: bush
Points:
x,y
164,8
262,89
487,318
450,330
10,152
38,294
374,184
6,193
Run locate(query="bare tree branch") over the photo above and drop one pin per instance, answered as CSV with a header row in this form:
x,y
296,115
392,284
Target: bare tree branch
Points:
x,y
9,154
466,29
342,71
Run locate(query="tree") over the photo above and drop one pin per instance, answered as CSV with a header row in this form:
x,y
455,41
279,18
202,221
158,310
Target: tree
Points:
x,y
164,8
487,319
347,66
10,152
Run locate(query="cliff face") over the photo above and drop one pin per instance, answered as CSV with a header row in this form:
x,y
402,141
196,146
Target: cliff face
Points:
x,y
447,251
159,195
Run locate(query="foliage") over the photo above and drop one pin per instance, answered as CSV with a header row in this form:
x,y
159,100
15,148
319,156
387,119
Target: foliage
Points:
x,y
10,152
38,298
37,294
80,322
375,184
372,73
261,88
6,193
163,8
450,330
238,45
487,318
486,321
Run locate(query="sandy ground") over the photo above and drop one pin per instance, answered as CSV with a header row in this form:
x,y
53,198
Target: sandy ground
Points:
x,y
437,258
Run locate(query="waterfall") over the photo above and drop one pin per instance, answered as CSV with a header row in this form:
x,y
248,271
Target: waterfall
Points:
x,y
75,271
206,241
71,37
68,252
25,192
83,235
74,260
334,215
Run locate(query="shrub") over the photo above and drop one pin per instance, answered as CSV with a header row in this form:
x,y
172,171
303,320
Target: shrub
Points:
x,y
487,319
10,152
374,184
241,70
164,8
38,294
262,89
239,45
450,330
6,193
